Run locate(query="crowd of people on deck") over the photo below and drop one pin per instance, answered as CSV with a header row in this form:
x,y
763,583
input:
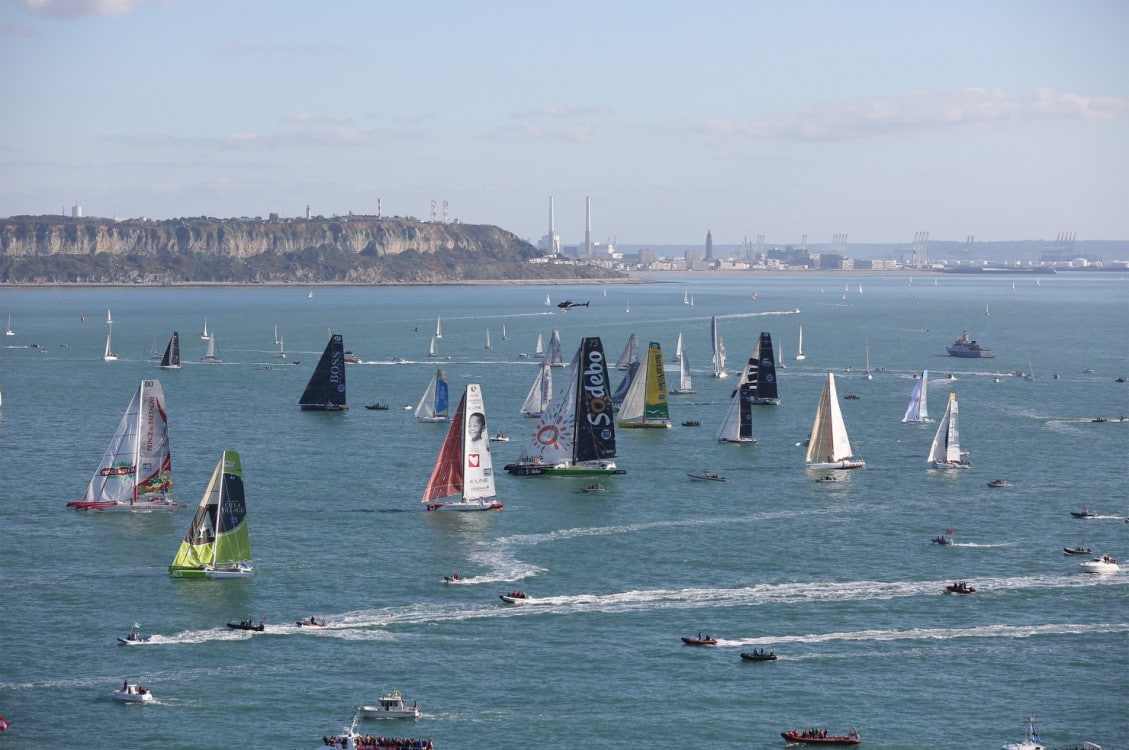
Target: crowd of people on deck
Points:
x,y
371,742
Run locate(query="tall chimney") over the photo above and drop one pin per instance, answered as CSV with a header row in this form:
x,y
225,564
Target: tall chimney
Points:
x,y
588,225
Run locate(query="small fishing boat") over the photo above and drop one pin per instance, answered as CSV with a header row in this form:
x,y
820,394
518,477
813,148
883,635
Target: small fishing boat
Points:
x,y
391,706
312,622
960,587
1077,550
515,597
134,637
692,423
1030,741
699,641
706,476
594,488
500,437
249,624
1084,513
998,483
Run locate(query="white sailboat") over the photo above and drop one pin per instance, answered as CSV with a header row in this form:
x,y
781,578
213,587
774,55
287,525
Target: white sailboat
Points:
x,y
945,452
489,346
281,349
218,541
9,332
626,306
210,357
464,468
135,473
204,333
780,358
718,350
986,313
678,348
685,296
109,355
685,382
548,301
645,405
540,392
503,332
433,348
553,353
277,340
917,411
433,405
829,447
539,350
438,326
800,347
867,374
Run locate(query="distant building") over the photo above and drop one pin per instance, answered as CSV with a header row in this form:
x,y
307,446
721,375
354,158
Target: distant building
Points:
x,y
709,245
76,211
693,259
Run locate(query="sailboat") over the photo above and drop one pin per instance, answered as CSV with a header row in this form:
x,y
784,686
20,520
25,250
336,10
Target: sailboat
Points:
x,y
325,390
204,333
218,542
829,447
867,374
685,382
539,350
9,332
548,301
718,350
135,473
576,434
737,424
489,346
553,355
987,314
678,348
210,357
780,357
433,348
540,393
433,405
629,354
685,296
438,326
170,360
464,468
760,372
645,404
800,347
503,332
945,452
917,411
625,385
109,355
277,340
281,349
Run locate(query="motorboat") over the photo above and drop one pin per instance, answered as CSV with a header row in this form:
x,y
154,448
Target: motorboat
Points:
x,y
131,692
500,437
312,622
758,655
1084,513
998,483
966,347
453,578
699,641
1030,742
692,423
597,487
515,597
258,627
821,737
707,476
1079,550
960,587
943,540
134,637
1101,564
391,706
377,407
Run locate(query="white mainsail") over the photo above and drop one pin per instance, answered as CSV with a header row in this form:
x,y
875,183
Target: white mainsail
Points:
x,y
433,405
630,353
433,349
800,346
540,393
678,348
917,411
685,382
553,356
718,350
489,346
204,333
945,452
210,355
829,447
540,348
438,326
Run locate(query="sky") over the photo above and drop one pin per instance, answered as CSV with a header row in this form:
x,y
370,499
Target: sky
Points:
x,y
1000,119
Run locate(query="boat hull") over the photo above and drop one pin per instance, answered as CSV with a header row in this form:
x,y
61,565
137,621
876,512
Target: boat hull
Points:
x,y
139,507
464,507
758,657
835,740
699,641
660,425
950,464
536,470
738,441
844,464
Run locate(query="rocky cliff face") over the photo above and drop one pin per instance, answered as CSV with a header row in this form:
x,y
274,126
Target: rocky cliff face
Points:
x,y
354,249
37,236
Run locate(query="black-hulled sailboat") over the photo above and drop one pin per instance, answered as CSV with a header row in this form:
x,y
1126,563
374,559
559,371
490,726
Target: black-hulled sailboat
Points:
x,y
326,389
761,372
576,434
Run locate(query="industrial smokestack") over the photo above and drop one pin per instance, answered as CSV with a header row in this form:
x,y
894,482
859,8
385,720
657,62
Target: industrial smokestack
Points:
x,y
588,225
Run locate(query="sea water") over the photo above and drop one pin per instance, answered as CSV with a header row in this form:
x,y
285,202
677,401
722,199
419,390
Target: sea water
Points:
x,y
839,578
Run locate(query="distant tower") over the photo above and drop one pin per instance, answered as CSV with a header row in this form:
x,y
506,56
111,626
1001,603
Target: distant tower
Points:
x,y
378,208
551,243
76,211
588,226
709,245
307,212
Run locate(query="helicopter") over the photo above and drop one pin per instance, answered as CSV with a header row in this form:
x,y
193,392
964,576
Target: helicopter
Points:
x,y
569,304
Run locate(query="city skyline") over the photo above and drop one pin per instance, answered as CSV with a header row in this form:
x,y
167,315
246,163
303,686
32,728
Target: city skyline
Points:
x,y
1005,121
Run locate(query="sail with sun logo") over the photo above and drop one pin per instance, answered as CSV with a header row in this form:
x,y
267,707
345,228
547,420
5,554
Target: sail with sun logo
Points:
x,y
135,473
575,436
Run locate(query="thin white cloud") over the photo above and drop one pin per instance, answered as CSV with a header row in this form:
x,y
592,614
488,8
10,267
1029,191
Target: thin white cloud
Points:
x,y
233,142
556,112
308,118
81,8
915,112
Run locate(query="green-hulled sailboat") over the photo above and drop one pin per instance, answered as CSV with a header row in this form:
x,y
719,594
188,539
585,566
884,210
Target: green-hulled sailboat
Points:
x,y
218,543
